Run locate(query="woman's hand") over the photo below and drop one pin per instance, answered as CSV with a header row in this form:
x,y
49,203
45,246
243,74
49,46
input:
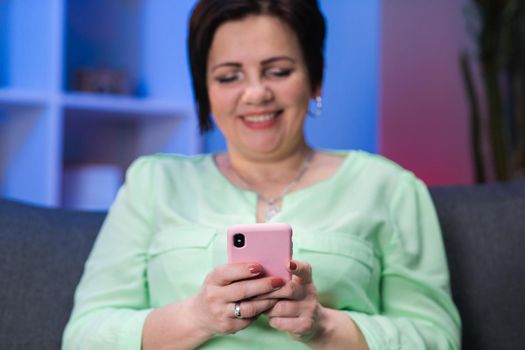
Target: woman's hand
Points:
x,y
298,311
189,323
291,307
214,307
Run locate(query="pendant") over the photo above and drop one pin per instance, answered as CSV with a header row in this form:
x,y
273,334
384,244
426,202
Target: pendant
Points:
x,y
271,211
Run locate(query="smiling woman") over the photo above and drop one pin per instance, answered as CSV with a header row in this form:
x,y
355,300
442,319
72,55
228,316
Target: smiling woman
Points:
x,y
367,242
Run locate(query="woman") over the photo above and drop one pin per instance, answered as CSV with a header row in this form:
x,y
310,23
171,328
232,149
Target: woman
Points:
x,y
369,269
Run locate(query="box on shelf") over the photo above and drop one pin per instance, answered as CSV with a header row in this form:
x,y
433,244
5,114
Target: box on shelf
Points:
x,y
90,186
104,81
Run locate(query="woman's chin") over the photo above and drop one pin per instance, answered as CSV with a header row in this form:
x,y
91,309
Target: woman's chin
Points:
x,y
262,147
262,141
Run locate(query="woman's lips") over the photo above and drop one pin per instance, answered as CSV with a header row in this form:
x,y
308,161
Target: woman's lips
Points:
x,y
261,121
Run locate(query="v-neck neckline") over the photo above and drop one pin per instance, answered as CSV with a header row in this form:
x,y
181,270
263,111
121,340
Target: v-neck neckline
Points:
x,y
252,195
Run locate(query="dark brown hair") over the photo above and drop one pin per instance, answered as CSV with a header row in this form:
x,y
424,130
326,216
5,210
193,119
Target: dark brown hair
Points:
x,y
302,16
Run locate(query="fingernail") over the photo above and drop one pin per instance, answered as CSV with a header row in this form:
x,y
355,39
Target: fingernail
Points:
x,y
277,283
293,266
255,269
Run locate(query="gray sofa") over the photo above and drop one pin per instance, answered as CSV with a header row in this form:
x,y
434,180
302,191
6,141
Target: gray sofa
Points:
x,y
42,252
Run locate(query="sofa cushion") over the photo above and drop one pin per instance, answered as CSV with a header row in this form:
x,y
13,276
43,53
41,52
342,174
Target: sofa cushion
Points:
x,y
42,255
484,234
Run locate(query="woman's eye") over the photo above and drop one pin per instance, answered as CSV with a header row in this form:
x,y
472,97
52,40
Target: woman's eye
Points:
x,y
279,72
227,78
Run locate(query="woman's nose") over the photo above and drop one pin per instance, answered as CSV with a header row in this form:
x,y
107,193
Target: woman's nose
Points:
x,y
257,93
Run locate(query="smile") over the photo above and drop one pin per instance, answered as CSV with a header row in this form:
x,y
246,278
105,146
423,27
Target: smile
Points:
x,y
264,120
260,118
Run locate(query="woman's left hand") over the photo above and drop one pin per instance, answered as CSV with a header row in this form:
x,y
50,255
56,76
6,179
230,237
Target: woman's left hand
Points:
x,y
298,311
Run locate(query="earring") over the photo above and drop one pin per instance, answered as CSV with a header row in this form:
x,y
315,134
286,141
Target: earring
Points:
x,y
318,106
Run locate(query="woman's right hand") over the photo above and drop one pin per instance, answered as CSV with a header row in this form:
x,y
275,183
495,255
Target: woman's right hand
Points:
x,y
213,308
191,322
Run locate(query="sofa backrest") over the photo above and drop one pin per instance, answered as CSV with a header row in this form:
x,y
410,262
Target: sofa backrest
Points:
x,y
42,255
484,234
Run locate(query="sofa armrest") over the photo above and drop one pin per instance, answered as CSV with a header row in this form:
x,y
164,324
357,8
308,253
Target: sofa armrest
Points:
x,y
42,255
484,235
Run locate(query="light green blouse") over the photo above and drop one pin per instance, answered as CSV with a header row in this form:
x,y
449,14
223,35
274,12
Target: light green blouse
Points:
x,y
370,233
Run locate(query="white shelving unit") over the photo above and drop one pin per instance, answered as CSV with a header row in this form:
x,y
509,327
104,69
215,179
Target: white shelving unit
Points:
x,y
46,127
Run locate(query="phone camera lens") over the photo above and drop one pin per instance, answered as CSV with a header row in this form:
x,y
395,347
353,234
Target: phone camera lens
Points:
x,y
238,240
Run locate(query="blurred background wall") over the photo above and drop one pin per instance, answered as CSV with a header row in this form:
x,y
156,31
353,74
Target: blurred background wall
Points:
x,y
88,86
423,109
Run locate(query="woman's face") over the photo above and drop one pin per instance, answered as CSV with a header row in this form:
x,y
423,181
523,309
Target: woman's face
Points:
x,y
258,86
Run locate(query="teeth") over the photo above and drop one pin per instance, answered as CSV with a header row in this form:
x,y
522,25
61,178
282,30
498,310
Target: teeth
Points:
x,y
259,118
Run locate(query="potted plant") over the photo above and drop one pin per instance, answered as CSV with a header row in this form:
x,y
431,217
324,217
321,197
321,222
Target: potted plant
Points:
x,y
497,28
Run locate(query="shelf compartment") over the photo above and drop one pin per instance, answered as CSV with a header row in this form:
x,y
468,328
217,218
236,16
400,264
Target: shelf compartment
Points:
x,y
27,40
112,44
90,186
145,40
112,136
98,135
28,162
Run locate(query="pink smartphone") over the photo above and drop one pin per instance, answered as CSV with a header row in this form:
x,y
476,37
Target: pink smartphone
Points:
x,y
269,244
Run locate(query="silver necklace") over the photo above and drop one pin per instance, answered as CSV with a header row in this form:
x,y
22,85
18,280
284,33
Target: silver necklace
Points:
x,y
272,204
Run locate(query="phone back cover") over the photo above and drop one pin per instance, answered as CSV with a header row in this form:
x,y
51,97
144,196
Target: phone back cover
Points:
x,y
269,244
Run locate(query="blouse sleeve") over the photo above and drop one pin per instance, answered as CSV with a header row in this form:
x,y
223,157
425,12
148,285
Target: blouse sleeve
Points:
x,y
111,300
417,311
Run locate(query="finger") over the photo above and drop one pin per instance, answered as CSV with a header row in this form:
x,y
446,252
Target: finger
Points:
x,y
293,289
298,328
248,289
288,324
232,326
302,270
284,308
226,274
250,309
